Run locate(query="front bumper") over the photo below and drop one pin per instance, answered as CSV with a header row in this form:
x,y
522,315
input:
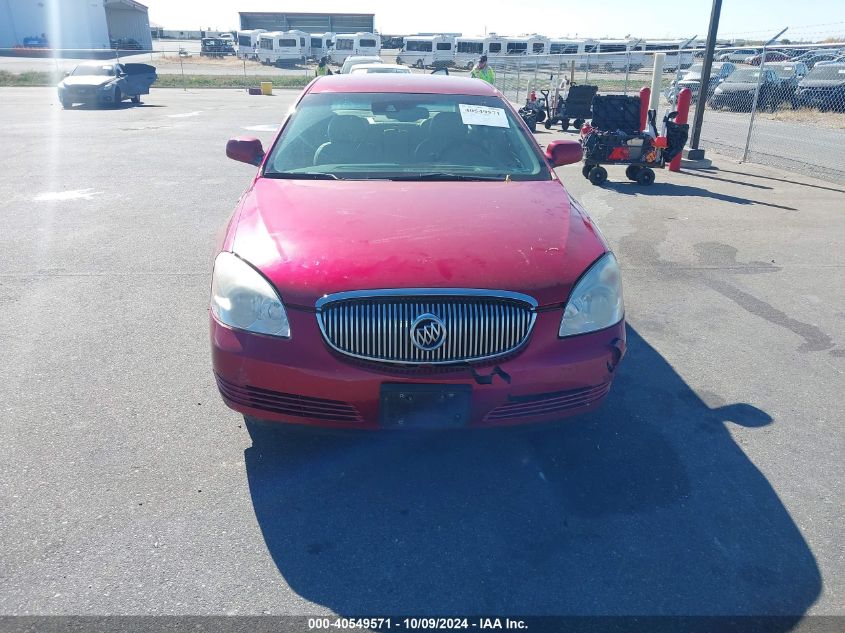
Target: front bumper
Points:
x,y
301,380
819,99
741,99
94,96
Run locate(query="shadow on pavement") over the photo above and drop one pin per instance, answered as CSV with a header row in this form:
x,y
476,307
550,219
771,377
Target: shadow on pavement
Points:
x,y
647,506
774,179
660,188
125,105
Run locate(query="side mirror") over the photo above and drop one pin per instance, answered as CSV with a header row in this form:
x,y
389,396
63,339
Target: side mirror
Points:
x,y
67,73
564,152
245,149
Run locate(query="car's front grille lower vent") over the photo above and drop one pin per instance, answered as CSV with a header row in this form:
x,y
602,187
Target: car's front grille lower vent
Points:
x,y
288,403
426,326
549,403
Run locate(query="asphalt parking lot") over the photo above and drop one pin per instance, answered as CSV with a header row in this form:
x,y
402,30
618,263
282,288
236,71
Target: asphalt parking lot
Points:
x,y
710,483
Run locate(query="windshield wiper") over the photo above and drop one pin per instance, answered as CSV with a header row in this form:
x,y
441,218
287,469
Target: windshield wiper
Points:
x,y
447,176
300,175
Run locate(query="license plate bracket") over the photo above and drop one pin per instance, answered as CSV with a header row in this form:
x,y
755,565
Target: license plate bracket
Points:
x,y
424,406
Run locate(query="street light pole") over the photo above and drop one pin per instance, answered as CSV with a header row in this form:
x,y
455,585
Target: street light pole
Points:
x,y
694,152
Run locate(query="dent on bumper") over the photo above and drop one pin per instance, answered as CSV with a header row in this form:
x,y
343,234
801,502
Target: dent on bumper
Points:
x,y
301,380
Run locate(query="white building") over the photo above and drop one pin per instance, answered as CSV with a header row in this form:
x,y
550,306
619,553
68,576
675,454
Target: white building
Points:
x,y
73,24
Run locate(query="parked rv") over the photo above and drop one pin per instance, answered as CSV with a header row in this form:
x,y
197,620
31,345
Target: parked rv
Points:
x,y
616,55
320,44
675,57
424,51
248,43
346,44
527,45
282,47
567,47
469,49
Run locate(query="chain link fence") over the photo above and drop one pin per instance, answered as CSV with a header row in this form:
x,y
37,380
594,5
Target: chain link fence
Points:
x,y
782,106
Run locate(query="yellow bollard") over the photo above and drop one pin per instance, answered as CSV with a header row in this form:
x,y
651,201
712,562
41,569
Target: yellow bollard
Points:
x,y
267,88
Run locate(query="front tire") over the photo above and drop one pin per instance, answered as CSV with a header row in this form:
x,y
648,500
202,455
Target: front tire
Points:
x,y
118,98
136,99
67,105
585,170
645,177
598,175
632,171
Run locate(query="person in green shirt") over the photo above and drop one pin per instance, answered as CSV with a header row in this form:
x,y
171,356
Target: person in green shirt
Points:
x,y
482,71
323,68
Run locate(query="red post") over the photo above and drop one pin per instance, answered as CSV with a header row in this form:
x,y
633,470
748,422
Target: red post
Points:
x,y
645,97
684,101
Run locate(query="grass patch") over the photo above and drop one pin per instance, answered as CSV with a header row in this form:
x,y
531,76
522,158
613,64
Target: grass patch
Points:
x,y
26,79
229,81
833,120
29,78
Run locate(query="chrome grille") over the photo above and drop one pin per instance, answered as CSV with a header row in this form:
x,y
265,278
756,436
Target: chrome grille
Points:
x,y
378,325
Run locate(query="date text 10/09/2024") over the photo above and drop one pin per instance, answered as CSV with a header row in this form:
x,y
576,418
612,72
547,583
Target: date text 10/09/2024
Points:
x,y
412,624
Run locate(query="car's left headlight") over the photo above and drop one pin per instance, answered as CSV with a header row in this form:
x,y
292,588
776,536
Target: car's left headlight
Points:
x,y
596,301
242,298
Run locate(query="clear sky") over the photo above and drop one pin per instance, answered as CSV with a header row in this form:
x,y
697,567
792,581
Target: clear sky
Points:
x,y
749,19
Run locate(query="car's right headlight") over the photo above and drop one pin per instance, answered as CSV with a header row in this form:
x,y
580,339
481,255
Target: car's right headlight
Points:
x,y
596,301
242,298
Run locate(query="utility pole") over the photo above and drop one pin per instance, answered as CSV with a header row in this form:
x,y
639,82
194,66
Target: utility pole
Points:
x,y
694,153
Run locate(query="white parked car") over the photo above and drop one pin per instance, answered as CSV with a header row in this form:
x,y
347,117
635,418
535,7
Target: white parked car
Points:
x,y
379,68
353,60
739,55
836,60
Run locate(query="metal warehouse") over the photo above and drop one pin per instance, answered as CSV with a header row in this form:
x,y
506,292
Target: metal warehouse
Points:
x,y
309,22
73,23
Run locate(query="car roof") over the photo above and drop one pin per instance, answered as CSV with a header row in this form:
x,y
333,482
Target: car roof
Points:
x,y
380,66
419,83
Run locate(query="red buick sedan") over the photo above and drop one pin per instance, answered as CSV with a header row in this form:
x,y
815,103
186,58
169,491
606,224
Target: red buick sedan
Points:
x,y
406,257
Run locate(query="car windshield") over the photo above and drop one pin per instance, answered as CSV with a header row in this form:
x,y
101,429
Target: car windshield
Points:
x,y
830,72
87,71
784,72
744,75
404,136
379,69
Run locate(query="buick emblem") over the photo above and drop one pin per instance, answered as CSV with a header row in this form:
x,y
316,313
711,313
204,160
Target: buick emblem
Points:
x,y
428,332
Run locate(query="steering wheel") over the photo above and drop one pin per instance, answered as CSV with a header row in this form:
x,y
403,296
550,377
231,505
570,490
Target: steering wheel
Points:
x,y
459,150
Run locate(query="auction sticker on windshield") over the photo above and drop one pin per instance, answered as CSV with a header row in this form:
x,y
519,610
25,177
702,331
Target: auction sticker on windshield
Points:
x,y
482,115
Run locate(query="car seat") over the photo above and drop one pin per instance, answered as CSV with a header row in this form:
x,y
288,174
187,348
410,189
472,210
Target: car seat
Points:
x,y
446,142
347,142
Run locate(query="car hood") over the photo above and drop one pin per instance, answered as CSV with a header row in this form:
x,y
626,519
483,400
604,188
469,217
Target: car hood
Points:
x,y
821,83
731,86
87,80
312,238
